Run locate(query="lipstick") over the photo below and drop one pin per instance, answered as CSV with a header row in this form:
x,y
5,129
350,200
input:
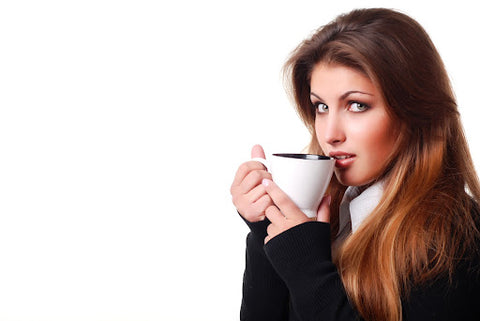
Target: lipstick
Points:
x,y
342,159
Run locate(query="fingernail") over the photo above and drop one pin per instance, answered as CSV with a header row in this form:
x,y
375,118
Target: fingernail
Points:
x,y
265,182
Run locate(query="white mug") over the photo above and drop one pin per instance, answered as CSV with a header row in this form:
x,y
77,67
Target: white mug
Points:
x,y
303,177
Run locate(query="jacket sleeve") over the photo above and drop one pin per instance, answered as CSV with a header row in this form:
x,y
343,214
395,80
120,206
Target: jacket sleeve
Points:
x,y
302,258
265,295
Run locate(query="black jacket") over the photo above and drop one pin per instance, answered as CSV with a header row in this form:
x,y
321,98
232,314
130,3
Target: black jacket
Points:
x,y
292,277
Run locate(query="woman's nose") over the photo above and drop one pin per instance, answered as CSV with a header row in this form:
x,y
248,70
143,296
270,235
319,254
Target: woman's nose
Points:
x,y
334,132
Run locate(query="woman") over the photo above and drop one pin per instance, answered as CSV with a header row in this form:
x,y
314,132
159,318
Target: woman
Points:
x,y
401,212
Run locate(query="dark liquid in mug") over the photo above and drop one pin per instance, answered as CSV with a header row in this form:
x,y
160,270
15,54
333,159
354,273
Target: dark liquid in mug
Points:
x,y
302,156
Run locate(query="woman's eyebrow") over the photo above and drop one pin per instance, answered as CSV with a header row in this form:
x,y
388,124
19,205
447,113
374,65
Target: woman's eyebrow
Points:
x,y
315,95
345,95
348,93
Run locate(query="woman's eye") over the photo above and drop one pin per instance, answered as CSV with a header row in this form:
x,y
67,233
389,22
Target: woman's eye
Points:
x,y
321,107
358,107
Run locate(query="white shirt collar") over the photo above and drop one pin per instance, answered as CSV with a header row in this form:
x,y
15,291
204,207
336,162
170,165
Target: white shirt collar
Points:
x,y
356,206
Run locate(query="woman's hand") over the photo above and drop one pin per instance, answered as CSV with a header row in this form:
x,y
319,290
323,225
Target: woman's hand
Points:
x,y
248,193
284,214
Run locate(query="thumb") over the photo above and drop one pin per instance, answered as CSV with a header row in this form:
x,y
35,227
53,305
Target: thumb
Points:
x,y
257,152
323,214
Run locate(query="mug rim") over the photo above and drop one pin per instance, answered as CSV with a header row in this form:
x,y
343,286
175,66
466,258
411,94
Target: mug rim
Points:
x,y
303,156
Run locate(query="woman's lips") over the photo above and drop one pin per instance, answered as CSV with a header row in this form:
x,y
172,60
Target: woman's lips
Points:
x,y
342,159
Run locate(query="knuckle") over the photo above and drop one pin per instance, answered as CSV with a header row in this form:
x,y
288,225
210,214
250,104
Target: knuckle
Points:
x,y
265,201
252,165
270,210
236,194
244,167
235,199
241,205
251,214
255,176
256,164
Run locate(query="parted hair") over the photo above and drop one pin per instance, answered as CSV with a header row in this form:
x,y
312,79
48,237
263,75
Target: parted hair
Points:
x,y
427,217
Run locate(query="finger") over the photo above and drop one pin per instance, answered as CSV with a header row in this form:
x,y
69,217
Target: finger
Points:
x,y
257,200
274,215
282,201
255,194
252,206
244,170
247,167
272,230
277,222
323,214
258,152
262,203
254,179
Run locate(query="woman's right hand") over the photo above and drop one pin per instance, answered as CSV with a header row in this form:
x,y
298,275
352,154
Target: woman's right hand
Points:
x,y
248,193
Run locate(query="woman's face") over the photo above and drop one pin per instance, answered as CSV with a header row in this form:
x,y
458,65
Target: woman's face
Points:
x,y
352,124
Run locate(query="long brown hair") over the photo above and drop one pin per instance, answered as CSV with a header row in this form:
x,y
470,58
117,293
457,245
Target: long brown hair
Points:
x,y
426,219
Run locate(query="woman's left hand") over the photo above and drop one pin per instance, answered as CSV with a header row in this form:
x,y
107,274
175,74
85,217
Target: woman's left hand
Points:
x,y
285,214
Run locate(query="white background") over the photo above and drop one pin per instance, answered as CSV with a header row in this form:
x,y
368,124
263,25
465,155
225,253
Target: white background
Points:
x,y
122,124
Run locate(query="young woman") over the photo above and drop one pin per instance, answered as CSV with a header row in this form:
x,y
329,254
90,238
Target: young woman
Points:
x,y
401,216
